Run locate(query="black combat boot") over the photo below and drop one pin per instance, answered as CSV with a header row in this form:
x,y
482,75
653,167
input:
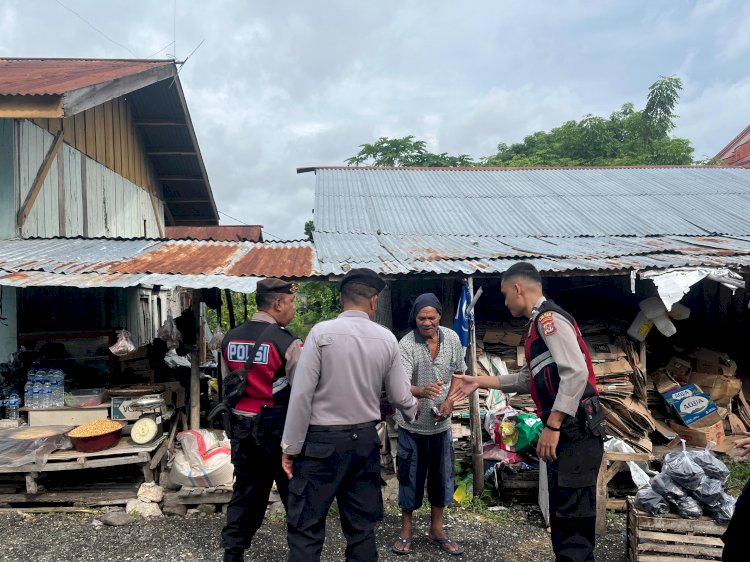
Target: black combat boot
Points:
x,y
234,555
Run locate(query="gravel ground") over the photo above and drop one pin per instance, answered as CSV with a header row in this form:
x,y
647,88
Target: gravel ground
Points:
x,y
58,537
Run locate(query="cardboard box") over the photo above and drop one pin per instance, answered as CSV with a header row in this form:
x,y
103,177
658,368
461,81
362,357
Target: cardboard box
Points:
x,y
700,436
721,388
678,368
733,425
121,406
713,362
692,405
67,416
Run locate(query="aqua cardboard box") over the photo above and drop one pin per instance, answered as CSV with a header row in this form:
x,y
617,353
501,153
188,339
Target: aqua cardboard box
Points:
x,y
691,404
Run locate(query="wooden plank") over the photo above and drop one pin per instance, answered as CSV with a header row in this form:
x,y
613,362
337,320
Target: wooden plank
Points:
x,y
109,135
219,497
69,133
638,457
79,122
98,497
84,197
61,192
681,525
116,136
125,126
46,510
90,130
41,174
659,558
685,539
54,125
101,142
131,148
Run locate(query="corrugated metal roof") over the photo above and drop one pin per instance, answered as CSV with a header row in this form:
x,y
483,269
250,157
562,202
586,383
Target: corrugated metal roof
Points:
x,y
475,220
39,77
228,233
534,202
81,262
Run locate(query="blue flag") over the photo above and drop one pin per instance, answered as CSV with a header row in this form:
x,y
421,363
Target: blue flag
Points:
x,y
461,321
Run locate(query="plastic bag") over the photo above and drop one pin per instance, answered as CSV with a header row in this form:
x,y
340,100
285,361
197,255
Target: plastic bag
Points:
x,y
29,445
124,345
169,332
519,432
214,343
683,470
652,503
711,465
709,493
663,485
689,508
639,472
464,490
724,510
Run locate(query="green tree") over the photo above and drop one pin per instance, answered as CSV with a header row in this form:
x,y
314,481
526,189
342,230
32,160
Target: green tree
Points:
x,y
309,229
627,137
405,151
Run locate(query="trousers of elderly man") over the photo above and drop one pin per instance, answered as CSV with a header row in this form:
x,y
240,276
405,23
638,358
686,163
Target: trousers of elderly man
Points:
x,y
343,463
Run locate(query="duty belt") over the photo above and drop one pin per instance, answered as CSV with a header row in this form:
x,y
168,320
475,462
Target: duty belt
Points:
x,y
319,428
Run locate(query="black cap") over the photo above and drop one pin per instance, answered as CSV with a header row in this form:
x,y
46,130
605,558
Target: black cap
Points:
x,y
273,285
363,276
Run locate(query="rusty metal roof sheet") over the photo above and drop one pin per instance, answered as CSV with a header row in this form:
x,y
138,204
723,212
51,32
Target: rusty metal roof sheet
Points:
x,y
82,262
38,77
228,233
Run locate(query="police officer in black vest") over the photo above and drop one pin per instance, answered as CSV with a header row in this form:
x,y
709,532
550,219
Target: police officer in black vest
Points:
x,y
256,451
561,380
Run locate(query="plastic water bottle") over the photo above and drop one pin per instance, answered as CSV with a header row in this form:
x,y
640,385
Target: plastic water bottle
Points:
x,y
60,388
47,395
36,395
56,385
27,393
12,408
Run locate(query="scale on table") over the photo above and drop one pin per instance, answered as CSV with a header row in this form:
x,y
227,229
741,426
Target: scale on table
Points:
x,y
150,425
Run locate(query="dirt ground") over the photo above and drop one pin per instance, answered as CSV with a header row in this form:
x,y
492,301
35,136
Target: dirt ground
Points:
x,y
514,534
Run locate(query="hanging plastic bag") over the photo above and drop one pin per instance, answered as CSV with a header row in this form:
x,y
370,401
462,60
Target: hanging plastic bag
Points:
x,y
711,465
709,492
652,503
169,332
724,510
124,345
683,470
214,343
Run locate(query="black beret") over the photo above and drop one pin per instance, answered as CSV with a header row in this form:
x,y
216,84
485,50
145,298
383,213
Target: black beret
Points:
x,y
363,276
273,285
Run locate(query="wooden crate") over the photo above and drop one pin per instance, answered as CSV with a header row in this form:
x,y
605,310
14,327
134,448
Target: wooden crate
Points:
x,y
672,538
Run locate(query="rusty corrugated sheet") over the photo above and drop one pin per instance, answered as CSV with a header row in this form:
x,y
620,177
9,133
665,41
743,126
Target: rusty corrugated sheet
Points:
x,y
228,233
36,77
82,262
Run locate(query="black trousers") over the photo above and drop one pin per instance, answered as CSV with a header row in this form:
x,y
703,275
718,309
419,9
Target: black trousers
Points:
x,y
572,493
255,469
335,464
735,539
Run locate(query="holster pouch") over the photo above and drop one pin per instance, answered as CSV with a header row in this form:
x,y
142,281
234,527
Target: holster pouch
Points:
x,y
269,426
591,416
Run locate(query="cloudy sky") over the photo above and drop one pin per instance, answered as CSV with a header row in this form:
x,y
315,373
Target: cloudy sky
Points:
x,y
287,83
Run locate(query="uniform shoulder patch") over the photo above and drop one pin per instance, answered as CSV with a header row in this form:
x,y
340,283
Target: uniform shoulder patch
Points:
x,y
547,323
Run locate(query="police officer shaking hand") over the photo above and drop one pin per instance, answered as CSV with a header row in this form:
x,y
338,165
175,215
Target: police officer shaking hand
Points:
x,y
254,415
331,448
561,380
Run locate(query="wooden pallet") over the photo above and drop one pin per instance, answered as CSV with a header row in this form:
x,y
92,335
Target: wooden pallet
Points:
x,y
672,538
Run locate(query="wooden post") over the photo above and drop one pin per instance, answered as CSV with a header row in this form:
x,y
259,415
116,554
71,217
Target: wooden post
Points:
x,y
476,424
195,371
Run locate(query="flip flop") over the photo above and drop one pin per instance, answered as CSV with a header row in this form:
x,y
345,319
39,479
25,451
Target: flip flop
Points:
x,y
405,543
441,544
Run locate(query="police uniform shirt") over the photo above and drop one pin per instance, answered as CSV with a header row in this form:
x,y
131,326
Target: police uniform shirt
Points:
x,y
571,365
342,369
291,355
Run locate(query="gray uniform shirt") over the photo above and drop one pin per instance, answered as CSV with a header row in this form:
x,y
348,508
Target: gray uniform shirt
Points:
x,y
343,367
571,365
423,370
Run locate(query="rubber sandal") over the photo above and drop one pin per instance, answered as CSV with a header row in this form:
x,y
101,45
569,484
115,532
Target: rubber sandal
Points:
x,y
441,544
406,543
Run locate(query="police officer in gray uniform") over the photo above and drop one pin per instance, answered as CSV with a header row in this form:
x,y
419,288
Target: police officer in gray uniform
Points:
x,y
330,446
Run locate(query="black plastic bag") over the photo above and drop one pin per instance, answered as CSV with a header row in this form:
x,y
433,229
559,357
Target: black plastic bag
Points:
x,y
689,508
663,485
651,502
683,470
712,466
709,493
724,510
